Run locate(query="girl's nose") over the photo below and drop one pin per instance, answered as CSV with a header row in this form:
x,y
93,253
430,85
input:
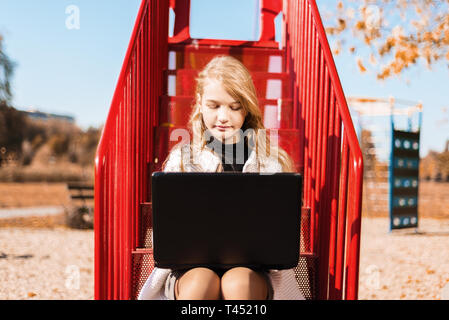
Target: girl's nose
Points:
x,y
223,114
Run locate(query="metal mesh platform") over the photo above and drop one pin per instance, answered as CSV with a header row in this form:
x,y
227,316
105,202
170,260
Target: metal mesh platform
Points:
x,y
305,271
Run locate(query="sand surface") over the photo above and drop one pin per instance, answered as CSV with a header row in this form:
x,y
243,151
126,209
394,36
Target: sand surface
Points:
x,y
404,264
43,263
58,263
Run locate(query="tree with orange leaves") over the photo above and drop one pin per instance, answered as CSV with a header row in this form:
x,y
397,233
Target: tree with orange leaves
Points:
x,y
398,33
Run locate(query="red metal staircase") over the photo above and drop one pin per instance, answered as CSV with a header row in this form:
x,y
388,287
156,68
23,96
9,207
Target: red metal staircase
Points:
x,y
302,101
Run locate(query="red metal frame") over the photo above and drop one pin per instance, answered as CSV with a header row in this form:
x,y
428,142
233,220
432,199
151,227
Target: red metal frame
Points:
x,y
320,136
124,151
333,186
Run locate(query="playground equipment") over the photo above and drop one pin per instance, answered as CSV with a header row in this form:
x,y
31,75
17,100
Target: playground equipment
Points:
x,y
153,97
399,156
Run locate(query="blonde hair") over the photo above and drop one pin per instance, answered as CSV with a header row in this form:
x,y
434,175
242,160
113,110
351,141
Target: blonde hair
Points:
x,y
237,81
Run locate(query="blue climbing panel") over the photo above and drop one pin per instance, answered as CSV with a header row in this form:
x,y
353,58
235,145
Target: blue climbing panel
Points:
x,y
404,179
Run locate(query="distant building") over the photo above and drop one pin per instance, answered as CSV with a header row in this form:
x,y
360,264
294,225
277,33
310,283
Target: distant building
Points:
x,y
38,115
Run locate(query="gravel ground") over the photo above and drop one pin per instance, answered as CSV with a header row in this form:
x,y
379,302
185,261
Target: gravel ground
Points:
x,y
404,264
42,263
57,263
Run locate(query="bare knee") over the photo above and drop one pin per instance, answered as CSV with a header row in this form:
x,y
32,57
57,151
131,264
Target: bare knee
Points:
x,y
198,284
243,284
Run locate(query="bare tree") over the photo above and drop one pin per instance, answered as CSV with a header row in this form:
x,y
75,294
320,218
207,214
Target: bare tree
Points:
x,y
6,72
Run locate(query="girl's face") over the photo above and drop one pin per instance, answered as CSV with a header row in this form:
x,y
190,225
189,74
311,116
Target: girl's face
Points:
x,y
222,114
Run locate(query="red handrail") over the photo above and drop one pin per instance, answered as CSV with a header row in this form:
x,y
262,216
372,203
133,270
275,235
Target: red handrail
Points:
x,y
124,151
332,188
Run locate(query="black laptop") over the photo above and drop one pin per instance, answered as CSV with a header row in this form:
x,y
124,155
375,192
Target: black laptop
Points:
x,y
226,219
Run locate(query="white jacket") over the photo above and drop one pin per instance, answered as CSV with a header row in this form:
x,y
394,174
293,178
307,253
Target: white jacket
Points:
x,y
283,281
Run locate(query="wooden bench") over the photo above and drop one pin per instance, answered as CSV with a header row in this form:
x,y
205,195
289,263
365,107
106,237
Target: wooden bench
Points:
x,y
80,214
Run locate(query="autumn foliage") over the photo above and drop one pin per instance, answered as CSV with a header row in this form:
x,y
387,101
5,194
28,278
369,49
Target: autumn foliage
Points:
x,y
391,36
435,166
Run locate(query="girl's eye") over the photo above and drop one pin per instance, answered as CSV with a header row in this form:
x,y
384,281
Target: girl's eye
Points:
x,y
236,108
212,106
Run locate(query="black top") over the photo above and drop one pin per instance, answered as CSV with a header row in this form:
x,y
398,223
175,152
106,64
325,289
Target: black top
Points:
x,y
232,157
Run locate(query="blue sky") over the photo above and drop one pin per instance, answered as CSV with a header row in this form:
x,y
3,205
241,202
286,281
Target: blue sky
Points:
x,y
74,71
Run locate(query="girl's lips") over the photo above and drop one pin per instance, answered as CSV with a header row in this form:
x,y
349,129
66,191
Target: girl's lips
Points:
x,y
222,128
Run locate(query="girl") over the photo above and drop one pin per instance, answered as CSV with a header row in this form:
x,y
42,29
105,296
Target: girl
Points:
x,y
228,135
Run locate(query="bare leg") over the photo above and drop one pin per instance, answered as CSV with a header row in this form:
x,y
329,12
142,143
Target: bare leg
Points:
x,y
198,284
243,284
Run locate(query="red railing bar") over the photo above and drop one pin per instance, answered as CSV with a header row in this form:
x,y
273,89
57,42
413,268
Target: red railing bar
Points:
x,y
111,220
349,230
109,232
266,45
122,197
153,66
131,173
310,106
354,231
145,115
128,183
162,53
349,219
306,106
139,152
269,10
121,208
110,213
149,141
118,276
292,53
300,67
313,139
98,224
101,253
117,205
289,59
339,167
317,145
181,8
334,164
123,204
135,156
322,190
341,227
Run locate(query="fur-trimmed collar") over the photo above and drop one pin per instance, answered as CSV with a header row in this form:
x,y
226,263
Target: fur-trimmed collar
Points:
x,y
208,161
